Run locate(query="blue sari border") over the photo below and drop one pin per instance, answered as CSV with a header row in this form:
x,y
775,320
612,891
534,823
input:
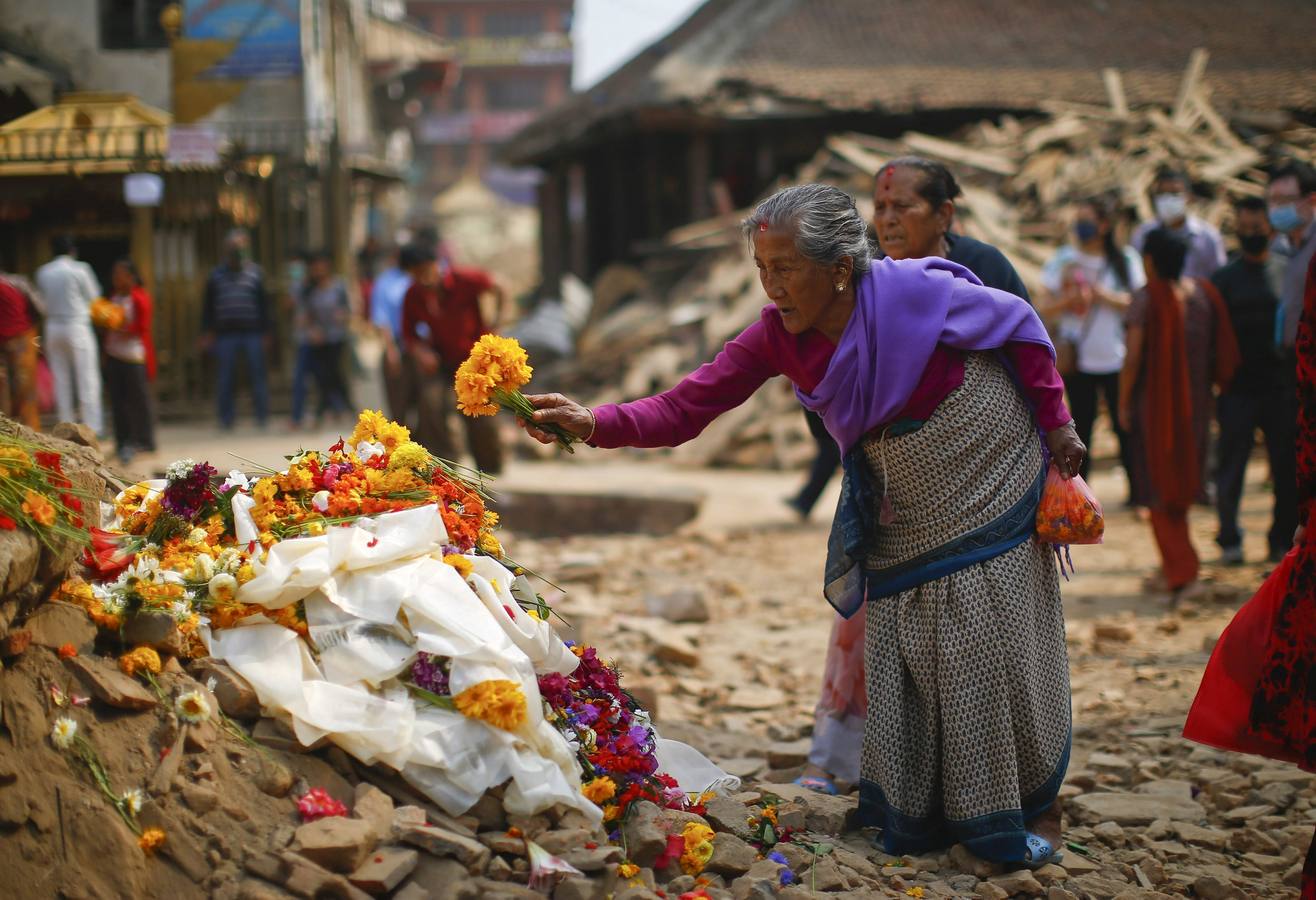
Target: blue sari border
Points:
x,y
998,836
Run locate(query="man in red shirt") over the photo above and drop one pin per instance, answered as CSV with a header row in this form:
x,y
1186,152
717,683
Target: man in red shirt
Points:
x,y
18,352
441,321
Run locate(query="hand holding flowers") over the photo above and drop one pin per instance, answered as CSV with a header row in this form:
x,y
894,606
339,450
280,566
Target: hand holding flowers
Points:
x,y
492,377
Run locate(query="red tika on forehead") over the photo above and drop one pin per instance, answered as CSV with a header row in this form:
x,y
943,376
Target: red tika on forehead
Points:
x,y
763,226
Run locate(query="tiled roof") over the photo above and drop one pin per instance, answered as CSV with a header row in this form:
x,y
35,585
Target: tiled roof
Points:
x,y
902,56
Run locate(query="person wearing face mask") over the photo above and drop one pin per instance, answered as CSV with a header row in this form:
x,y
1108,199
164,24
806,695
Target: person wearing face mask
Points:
x,y
1291,199
235,320
1087,284
1170,196
1262,394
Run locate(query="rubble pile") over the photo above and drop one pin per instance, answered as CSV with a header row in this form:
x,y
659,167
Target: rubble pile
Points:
x,y
699,288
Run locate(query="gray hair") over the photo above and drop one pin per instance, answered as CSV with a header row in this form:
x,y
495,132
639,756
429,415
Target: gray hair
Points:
x,y
826,222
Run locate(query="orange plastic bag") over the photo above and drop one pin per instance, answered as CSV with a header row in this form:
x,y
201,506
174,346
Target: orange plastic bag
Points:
x,y
1069,512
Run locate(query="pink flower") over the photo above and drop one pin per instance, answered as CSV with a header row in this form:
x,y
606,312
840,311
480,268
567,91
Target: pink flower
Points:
x,y
318,804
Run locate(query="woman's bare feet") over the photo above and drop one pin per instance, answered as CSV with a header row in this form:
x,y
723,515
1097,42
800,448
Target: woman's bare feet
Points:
x,y
1048,825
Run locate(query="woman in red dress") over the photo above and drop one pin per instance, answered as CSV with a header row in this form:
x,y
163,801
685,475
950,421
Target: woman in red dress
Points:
x,y
1258,694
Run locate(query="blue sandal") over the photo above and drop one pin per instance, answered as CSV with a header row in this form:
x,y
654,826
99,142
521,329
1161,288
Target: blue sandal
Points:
x,y
817,783
1040,852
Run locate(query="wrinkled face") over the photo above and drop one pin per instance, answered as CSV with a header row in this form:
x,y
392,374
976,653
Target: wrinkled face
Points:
x,y
907,225
802,289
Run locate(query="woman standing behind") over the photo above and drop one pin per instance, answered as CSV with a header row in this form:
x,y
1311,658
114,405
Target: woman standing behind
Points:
x,y
130,363
1089,284
913,211
1179,343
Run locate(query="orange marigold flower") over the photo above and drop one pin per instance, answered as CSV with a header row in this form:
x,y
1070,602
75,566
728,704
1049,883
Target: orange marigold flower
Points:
x,y
140,659
39,508
67,651
151,840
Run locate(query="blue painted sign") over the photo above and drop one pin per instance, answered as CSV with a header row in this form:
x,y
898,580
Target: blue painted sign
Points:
x,y
267,32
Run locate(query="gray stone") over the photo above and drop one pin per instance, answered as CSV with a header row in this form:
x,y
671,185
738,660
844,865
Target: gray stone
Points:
x,y
373,806
56,623
580,889
1277,794
306,879
336,843
1210,838
726,814
154,629
592,860
645,839
1110,834
502,842
556,514
441,842
1019,884
558,841
1167,787
1212,887
231,690
731,855
824,875
1134,809
683,605
823,813
108,685
384,870
784,754
1241,814
200,800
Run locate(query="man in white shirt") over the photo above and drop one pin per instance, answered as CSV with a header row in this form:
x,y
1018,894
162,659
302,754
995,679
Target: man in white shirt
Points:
x,y
1170,198
69,286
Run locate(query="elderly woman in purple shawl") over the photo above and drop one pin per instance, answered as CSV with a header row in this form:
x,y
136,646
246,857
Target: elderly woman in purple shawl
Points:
x,y
936,390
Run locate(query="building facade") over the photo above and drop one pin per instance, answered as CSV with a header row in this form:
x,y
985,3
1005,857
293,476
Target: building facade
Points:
x,y
514,59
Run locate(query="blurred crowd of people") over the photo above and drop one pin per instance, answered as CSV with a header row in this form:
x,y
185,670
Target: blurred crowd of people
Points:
x,y
61,352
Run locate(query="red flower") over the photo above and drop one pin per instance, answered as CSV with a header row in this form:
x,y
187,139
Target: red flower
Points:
x,y
67,651
6,523
71,502
49,459
318,804
108,555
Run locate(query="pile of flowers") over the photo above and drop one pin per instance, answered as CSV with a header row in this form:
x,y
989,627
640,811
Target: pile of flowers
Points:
x,y
491,378
612,736
36,495
176,549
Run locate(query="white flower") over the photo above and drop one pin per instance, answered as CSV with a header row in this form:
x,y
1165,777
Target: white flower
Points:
x,y
236,479
203,567
321,501
144,568
114,603
368,450
132,801
64,732
197,536
192,707
230,560
210,684
223,587
181,610
179,468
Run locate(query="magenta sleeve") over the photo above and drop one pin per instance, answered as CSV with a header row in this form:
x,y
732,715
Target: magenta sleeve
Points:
x,y
1041,383
680,414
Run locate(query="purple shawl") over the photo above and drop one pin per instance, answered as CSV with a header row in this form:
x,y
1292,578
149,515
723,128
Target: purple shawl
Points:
x,y
903,310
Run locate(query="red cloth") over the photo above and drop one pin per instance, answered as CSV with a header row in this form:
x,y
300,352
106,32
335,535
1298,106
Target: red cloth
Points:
x,y
1178,556
14,319
765,349
447,318
1167,420
142,307
1258,694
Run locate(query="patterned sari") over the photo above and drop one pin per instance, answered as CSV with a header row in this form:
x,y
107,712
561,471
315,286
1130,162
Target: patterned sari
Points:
x,y
968,725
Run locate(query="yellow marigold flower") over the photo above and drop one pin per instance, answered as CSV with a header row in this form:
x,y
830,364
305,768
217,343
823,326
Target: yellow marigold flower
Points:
x,y
372,425
151,840
75,590
695,858
500,703
409,455
245,573
696,833
599,790
474,393
460,563
916,892
628,870
489,544
140,659
490,520
15,453
264,490
611,813
39,508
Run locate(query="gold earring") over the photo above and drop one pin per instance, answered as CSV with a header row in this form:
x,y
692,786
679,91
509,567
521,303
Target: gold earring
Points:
x,y
839,288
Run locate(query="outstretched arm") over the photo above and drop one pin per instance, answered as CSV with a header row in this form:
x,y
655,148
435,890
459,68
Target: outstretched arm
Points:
x,y
675,416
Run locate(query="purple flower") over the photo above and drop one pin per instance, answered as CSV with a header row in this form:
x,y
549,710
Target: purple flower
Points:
x,y
429,672
786,877
186,496
778,858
